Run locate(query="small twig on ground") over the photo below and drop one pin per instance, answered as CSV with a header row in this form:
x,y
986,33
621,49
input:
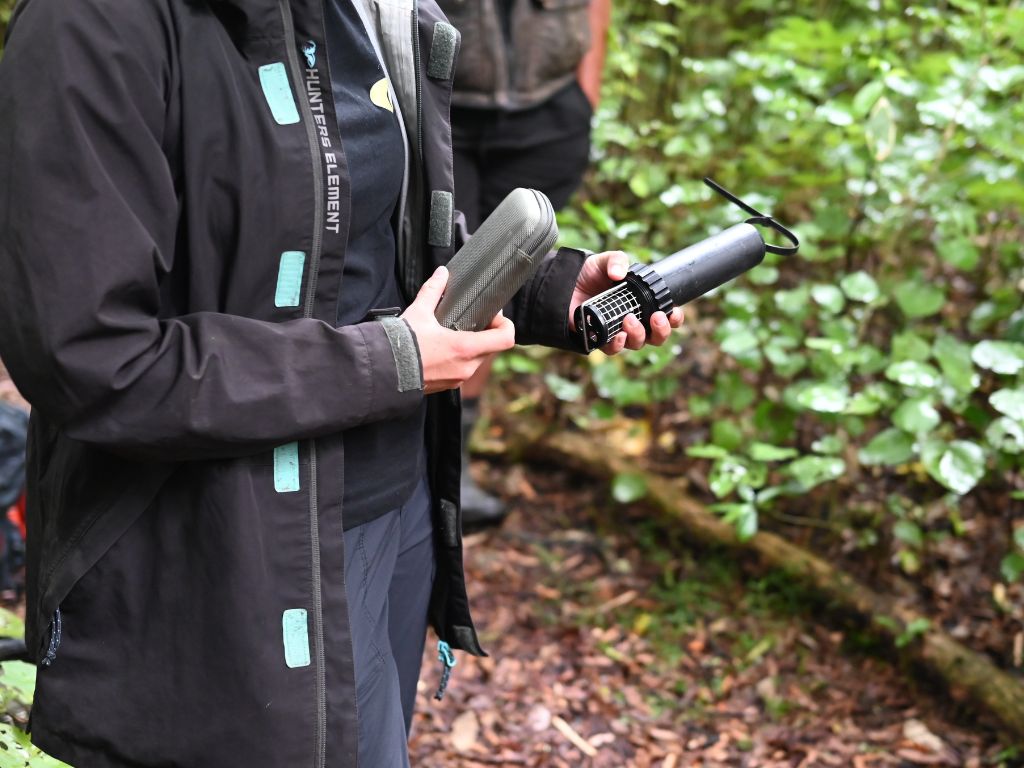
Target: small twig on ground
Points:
x,y
578,741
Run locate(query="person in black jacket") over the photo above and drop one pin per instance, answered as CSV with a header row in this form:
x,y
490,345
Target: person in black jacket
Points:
x,y
526,86
222,239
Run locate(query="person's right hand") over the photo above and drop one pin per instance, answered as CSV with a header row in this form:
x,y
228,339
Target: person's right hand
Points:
x,y
450,357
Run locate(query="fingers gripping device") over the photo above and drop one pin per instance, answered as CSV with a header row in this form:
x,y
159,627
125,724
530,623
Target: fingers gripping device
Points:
x,y
681,277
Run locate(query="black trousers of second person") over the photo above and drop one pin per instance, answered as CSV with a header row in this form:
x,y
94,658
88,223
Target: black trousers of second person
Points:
x,y
545,148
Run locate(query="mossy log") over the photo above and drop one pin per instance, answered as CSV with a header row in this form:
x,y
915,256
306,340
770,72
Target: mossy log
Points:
x,y
988,688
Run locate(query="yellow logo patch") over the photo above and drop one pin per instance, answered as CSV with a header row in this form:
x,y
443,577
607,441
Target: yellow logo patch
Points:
x,y
380,94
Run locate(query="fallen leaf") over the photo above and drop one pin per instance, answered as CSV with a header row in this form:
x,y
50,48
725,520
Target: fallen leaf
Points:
x,y
465,731
539,718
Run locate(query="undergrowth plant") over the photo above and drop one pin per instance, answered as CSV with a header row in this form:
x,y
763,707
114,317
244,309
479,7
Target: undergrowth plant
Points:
x,y
887,359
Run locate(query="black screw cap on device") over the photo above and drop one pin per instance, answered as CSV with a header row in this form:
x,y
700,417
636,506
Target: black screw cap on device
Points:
x,y
642,293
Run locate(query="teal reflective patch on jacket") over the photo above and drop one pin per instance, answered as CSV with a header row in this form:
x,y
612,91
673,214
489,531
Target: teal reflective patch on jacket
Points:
x,y
278,91
295,625
286,468
289,279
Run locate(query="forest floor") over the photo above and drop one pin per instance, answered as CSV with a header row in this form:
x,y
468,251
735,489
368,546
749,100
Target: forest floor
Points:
x,y
613,644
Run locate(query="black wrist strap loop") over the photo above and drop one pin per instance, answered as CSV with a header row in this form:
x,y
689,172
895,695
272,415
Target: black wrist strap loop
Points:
x,y
760,220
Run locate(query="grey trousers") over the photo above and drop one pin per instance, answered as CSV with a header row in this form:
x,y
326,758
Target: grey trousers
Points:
x,y
389,572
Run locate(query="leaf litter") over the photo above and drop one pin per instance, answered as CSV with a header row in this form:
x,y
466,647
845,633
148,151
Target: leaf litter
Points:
x,y
614,645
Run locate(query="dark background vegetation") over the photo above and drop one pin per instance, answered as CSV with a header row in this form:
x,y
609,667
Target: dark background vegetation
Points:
x,y
865,398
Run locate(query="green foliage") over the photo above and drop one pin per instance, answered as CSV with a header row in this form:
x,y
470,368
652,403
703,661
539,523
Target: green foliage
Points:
x,y
17,685
6,8
892,347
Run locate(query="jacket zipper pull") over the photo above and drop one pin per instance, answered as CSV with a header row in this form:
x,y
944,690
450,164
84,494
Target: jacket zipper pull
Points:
x,y
448,662
55,633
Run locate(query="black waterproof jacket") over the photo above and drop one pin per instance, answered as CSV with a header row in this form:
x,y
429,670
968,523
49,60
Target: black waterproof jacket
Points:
x,y
173,215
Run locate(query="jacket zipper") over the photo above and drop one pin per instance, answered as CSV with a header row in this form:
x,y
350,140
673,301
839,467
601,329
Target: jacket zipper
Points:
x,y
413,272
314,265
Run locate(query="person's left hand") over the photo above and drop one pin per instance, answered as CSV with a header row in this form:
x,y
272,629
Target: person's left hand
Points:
x,y
599,273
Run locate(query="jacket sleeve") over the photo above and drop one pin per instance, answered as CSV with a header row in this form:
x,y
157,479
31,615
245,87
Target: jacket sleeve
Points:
x,y
540,311
87,197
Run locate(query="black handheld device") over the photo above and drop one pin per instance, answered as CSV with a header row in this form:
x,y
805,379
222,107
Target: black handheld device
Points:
x,y
681,277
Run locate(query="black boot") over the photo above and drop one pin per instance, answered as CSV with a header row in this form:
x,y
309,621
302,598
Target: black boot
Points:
x,y
478,506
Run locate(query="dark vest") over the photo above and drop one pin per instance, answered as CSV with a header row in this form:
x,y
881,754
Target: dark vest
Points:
x,y
516,53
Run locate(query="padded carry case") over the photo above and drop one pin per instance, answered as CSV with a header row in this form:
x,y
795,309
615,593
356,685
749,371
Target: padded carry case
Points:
x,y
497,260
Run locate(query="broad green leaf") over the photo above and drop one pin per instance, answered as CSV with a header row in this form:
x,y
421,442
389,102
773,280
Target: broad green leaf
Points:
x,y
908,532
600,215
919,299
811,471
725,475
888,448
707,452
699,407
860,286
628,487
742,516
11,624
740,302
1005,357
563,389
954,358
764,275
862,404
835,114
1012,566
1009,402
17,751
1006,435
828,445
740,342
794,302
880,130
829,297
17,683
824,398
521,363
867,97
958,465
913,374
1018,536
916,415
909,346
959,252
1001,79
746,523
727,434
766,452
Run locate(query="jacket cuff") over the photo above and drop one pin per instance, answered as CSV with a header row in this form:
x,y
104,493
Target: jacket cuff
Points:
x,y
397,373
551,291
406,353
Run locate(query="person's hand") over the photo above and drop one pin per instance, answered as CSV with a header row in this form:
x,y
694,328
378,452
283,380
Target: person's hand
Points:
x,y
599,273
450,357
